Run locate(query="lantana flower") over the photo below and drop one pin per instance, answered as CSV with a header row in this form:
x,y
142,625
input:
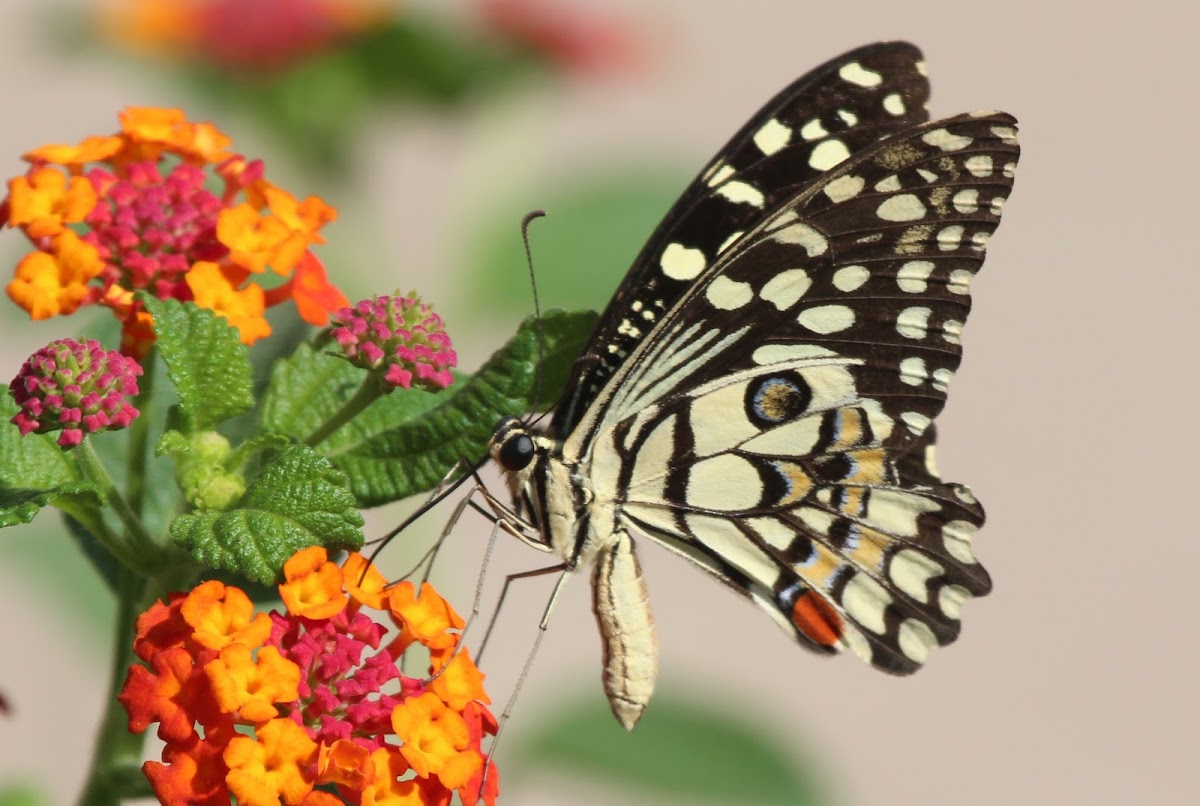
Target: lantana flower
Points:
x,y
76,387
399,335
132,212
319,686
261,35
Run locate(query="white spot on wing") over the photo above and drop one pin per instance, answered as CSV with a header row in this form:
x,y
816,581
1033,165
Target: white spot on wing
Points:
x,y
848,117
905,207
801,234
855,73
916,422
913,275
915,640
728,242
772,136
948,238
720,174
786,288
844,187
979,165
1007,134
827,318
893,104
727,294
866,600
850,278
941,378
912,371
682,263
911,571
888,184
913,323
813,130
960,281
828,154
952,331
741,193
956,535
951,598
780,353
943,139
966,201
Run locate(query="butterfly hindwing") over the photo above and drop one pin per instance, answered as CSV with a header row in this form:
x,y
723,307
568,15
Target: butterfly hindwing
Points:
x,y
820,119
776,480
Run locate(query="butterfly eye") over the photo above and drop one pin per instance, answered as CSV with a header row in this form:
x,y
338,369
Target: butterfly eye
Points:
x,y
517,452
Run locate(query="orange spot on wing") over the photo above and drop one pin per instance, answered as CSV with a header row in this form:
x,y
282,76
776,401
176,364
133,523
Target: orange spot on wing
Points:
x,y
817,619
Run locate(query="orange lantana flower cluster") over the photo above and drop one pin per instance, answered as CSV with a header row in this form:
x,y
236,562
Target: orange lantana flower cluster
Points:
x,y
262,35
305,682
130,212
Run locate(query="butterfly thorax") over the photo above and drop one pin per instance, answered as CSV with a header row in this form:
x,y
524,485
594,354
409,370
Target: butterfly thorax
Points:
x,y
551,494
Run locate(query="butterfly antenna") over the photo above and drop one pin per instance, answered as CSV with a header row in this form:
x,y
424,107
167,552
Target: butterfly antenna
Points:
x,y
537,307
435,499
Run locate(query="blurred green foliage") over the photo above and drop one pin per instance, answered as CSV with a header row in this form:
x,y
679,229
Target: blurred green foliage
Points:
x,y
682,751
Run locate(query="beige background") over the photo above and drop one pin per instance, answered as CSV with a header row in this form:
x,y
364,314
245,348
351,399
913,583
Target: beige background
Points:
x,y
1073,416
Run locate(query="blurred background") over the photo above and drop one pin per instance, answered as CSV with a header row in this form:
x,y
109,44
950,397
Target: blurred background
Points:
x,y
434,126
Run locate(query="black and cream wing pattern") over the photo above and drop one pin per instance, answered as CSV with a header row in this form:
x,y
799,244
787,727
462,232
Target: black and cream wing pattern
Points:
x,y
760,395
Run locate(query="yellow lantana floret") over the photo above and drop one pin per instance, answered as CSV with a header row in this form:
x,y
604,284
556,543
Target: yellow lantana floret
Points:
x,y
460,682
220,615
250,686
46,199
313,586
244,308
427,619
94,148
272,766
434,737
51,283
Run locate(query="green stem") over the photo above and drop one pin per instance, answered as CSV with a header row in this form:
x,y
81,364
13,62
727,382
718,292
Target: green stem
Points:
x,y
370,391
115,745
115,770
139,438
138,550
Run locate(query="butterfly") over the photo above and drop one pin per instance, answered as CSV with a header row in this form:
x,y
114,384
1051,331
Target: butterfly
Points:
x,y
759,395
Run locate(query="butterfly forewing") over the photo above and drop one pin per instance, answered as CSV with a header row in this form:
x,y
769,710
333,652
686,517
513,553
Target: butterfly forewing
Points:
x,y
815,123
758,429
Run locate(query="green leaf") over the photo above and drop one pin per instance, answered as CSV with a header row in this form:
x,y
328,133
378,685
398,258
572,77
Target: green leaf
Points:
x,y
298,500
394,450
309,387
34,471
680,752
208,364
593,230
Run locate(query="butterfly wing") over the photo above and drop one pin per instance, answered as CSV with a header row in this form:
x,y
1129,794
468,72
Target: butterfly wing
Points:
x,y
761,427
820,119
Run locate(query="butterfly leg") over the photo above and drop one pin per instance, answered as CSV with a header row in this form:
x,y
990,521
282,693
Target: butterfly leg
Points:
x,y
558,586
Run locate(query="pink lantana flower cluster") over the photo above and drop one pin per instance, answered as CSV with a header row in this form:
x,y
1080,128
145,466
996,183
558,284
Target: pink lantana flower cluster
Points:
x,y
76,387
400,333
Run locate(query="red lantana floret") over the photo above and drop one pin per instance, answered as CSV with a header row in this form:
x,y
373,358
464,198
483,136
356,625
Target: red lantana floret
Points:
x,y
311,683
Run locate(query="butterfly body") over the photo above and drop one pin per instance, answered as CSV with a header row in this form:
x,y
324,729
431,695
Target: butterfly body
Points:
x,y
759,395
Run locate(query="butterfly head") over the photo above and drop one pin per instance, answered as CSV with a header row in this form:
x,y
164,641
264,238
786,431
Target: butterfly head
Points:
x,y
512,446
